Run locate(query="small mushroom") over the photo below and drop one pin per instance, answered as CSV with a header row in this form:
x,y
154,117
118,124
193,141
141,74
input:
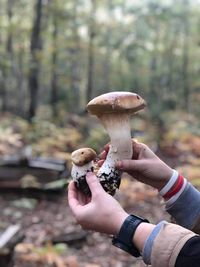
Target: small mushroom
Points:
x,y
114,110
82,162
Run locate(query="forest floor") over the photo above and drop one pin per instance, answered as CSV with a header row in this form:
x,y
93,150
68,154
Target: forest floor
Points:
x,y
46,219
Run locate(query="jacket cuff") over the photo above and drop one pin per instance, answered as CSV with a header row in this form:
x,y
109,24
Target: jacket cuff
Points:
x,y
146,253
168,243
186,209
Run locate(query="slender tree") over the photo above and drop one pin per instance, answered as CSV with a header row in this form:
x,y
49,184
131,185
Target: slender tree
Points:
x,y
91,55
74,56
54,78
35,48
7,70
20,82
108,54
185,60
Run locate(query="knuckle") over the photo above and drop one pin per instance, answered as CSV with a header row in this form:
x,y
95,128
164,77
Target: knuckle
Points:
x,y
129,165
96,195
144,146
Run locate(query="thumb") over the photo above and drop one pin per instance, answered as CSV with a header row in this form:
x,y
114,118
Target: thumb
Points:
x,y
129,165
93,183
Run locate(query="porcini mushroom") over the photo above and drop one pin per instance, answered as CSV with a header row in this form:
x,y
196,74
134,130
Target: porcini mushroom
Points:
x,y
82,162
114,110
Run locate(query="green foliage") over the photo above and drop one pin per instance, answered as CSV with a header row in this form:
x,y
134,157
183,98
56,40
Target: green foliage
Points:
x,y
57,249
25,203
97,138
150,47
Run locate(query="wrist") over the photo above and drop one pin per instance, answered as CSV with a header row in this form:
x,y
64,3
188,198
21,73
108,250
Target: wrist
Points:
x,y
171,181
141,234
118,220
166,176
125,238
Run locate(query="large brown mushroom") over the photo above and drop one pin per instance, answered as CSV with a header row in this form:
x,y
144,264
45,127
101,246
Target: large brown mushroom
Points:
x,y
114,110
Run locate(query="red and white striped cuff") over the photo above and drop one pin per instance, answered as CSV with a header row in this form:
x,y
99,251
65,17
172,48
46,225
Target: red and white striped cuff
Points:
x,y
174,188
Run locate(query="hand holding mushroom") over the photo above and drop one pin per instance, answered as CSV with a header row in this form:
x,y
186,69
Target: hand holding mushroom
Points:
x,y
144,166
91,212
113,110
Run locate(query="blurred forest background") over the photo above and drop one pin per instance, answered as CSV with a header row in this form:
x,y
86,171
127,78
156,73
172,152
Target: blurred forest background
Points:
x,y
60,54
55,56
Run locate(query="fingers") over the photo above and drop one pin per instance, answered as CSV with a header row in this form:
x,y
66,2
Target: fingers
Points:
x,y
76,199
103,155
72,196
137,147
82,198
105,151
93,183
129,165
100,162
141,151
107,147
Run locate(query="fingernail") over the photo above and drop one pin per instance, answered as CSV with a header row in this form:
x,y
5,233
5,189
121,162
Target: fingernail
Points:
x,y
90,176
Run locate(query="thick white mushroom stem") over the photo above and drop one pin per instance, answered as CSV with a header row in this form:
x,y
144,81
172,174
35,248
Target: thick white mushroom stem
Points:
x,y
80,171
118,127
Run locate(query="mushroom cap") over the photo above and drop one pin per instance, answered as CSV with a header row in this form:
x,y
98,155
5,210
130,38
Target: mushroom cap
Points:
x,y
116,102
83,156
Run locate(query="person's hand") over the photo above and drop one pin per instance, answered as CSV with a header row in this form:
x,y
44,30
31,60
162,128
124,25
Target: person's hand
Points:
x,y
100,212
144,166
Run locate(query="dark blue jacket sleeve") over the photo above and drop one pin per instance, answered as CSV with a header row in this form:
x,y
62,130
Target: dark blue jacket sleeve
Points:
x,y
186,210
189,256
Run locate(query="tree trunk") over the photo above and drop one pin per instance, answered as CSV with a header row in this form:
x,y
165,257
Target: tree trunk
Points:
x,y
185,62
54,82
92,35
35,47
74,51
9,42
9,52
155,95
3,90
107,66
14,72
20,83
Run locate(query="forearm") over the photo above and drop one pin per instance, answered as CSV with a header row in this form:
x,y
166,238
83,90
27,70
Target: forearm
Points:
x,y
171,242
141,235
